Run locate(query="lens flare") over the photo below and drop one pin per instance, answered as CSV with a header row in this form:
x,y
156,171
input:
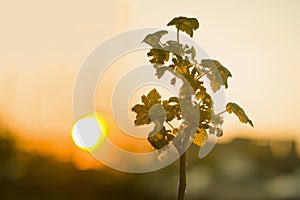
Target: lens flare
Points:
x,y
89,132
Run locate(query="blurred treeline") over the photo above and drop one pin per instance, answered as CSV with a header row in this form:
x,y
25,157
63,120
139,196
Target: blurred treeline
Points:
x,y
241,169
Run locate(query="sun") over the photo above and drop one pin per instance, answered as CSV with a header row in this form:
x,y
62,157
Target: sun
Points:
x,y
89,132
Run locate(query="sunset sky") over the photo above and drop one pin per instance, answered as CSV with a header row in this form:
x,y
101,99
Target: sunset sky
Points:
x,y
44,43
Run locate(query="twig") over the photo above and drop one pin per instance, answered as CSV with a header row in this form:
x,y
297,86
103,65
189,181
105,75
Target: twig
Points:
x,y
170,125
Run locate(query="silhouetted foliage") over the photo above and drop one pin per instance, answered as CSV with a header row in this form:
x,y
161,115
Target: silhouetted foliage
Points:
x,y
198,116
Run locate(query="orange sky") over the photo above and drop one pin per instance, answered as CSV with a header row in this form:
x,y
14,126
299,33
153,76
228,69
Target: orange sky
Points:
x,y
43,44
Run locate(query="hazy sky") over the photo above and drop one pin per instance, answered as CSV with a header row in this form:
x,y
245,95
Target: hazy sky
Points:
x,y
258,41
43,44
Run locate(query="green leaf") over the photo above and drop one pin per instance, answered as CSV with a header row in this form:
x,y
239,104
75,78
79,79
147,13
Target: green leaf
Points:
x,y
205,117
145,101
161,138
193,96
160,71
142,110
239,112
204,97
215,85
159,56
174,47
182,66
219,74
216,131
154,38
186,91
172,109
201,93
153,97
191,51
216,120
185,24
142,116
200,137
157,113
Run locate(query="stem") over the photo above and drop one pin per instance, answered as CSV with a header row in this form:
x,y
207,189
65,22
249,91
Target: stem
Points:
x,y
182,176
182,165
221,112
203,74
170,125
178,35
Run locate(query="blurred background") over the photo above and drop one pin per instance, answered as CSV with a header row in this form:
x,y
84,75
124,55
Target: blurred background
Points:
x,y
43,45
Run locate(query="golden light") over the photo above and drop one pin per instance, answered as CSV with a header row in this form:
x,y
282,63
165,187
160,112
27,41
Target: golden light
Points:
x,y
89,132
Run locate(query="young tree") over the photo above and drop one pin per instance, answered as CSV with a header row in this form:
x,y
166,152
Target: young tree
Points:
x,y
193,107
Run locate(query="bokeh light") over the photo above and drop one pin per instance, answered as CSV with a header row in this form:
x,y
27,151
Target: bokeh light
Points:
x,y
89,132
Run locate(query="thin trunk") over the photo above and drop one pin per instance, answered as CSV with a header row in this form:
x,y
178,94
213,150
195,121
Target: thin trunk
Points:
x,y
182,176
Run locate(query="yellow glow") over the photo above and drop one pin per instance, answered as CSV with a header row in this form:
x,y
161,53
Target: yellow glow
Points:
x,y
89,132
39,65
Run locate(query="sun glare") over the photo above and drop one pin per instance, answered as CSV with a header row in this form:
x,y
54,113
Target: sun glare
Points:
x,y
89,132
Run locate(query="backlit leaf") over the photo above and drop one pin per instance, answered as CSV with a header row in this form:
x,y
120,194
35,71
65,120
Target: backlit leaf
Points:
x,y
185,24
239,112
161,138
153,97
160,71
142,110
142,116
191,51
172,109
219,74
159,56
174,47
154,38
198,118
200,137
216,131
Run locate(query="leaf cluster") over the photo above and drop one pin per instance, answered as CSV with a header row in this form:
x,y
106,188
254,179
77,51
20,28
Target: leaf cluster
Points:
x,y
158,111
180,60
